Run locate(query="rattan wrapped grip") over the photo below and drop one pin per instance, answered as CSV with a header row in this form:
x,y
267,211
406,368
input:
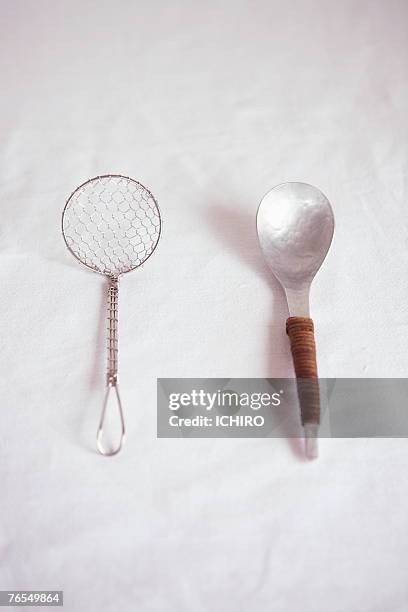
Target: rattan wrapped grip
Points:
x,y
302,343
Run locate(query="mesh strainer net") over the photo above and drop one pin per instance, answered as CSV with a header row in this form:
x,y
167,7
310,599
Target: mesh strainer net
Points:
x,y
111,224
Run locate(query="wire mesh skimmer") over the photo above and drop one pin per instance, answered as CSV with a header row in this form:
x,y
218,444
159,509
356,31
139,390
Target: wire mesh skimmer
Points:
x,y
112,225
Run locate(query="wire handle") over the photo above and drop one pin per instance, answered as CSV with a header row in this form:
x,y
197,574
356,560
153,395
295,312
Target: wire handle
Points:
x,y
112,370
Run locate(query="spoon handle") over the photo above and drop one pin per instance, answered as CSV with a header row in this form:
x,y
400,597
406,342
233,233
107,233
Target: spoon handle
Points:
x,y
302,343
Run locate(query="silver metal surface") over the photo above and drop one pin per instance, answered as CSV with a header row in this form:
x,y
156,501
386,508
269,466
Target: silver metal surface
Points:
x,y
112,225
295,225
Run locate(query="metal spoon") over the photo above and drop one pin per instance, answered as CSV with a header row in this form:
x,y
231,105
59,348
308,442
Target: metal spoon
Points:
x,y
295,226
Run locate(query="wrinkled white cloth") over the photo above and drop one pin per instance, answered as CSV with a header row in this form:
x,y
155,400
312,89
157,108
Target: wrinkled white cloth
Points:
x,y
209,105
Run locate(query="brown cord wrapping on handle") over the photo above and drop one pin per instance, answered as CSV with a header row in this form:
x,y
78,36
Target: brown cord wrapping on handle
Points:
x,y
302,343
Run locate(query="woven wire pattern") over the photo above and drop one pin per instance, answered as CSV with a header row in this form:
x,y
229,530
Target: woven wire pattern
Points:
x,y
111,224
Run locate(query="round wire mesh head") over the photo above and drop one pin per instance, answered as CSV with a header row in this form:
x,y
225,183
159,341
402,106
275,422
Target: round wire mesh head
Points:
x,y
111,224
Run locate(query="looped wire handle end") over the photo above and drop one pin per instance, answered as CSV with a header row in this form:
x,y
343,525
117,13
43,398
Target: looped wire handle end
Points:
x,y
112,386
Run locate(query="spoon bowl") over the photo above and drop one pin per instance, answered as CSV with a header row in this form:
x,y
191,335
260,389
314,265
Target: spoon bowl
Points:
x,y
295,225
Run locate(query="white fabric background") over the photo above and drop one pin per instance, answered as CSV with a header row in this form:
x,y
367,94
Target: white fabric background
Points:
x,y
209,104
